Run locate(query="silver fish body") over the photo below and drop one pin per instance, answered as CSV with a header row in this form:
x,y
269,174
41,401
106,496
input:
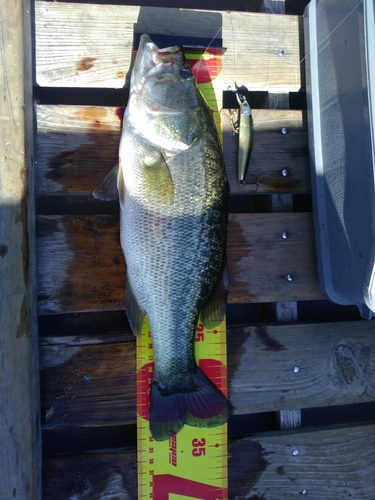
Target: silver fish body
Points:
x,y
173,193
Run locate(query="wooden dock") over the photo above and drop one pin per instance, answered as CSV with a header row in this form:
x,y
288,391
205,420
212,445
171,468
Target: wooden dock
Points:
x,y
301,371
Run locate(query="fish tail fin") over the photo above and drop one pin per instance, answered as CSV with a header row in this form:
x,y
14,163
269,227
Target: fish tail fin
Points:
x,y
201,405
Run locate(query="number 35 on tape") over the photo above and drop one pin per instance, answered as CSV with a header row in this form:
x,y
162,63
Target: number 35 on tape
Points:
x,y
193,462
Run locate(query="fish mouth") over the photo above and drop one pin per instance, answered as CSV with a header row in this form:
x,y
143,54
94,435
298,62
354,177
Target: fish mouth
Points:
x,y
162,80
158,55
151,60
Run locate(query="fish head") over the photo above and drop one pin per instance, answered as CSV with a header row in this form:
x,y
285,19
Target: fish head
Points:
x,y
164,97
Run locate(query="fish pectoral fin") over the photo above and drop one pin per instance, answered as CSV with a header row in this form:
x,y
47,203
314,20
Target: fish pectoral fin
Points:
x,y
107,189
157,179
135,313
213,310
121,186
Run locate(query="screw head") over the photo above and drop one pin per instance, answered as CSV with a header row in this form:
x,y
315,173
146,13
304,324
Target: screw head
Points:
x,y
284,130
284,172
295,453
296,369
285,235
289,277
281,52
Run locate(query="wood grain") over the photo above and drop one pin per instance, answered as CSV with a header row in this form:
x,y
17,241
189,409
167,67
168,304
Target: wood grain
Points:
x,y
98,476
81,265
260,260
90,381
330,463
20,450
76,146
296,366
81,45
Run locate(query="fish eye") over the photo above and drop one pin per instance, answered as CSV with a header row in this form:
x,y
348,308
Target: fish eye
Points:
x,y
186,74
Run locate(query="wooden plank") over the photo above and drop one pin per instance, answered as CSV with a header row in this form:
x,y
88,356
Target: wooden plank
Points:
x,y
285,311
81,265
90,381
265,267
332,463
80,45
294,366
76,146
95,476
20,450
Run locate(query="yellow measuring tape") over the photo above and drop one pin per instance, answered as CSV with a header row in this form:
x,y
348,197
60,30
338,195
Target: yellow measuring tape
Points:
x,y
192,463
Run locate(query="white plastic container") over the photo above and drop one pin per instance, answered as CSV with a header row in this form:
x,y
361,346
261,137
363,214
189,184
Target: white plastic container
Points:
x,y
340,79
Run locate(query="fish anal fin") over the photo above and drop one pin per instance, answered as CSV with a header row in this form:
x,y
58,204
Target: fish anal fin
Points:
x,y
107,189
202,406
157,178
134,312
213,310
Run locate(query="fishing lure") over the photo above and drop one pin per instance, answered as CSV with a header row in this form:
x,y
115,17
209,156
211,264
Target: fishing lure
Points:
x,y
245,132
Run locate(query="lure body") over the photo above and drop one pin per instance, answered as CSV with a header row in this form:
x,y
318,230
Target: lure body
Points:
x,y
245,137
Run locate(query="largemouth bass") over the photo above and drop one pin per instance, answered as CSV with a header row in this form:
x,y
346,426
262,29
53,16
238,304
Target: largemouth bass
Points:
x,y
173,211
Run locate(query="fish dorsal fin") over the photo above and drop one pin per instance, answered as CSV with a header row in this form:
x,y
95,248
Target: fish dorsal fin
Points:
x,y
135,314
107,189
158,182
213,310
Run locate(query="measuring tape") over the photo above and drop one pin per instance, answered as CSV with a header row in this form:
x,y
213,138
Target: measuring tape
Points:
x,y
193,462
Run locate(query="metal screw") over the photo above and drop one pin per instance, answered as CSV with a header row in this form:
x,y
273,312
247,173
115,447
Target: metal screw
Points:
x,y
296,369
284,172
289,277
304,492
285,235
295,453
284,130
281,52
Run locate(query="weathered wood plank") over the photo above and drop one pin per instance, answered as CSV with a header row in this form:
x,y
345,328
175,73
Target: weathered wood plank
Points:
x,y
333,463
81,265
285,311
96,476
330,464
90,45
90,381
264,266
20,450
77,145
286,367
